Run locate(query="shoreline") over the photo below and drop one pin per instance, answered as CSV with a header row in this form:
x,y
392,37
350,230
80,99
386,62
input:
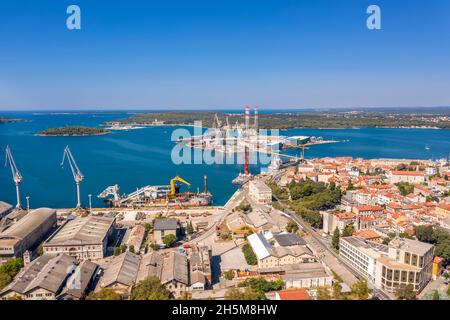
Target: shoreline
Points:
x,y
71,135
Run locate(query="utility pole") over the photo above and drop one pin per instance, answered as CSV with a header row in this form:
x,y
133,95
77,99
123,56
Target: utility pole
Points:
x,y
28,204
90,202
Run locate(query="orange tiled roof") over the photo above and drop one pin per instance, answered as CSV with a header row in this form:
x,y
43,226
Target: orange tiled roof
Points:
x,y
367,234
295,294
408,173
369,208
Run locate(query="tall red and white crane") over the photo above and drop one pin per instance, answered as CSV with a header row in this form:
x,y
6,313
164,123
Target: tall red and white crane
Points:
x,y
77,175
17,177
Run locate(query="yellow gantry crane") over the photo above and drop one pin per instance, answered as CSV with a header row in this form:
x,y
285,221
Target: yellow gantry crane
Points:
x,y
172,184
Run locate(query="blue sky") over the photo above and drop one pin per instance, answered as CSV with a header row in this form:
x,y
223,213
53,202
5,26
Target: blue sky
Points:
x,y
223,54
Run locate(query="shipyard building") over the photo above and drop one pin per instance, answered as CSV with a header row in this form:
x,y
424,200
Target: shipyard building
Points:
x,y
26,233
82,237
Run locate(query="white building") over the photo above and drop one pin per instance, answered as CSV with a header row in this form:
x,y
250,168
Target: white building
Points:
x,y
260,192
272,257
400,263
413,177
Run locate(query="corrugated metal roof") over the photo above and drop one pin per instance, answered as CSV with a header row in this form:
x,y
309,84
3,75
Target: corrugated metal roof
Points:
x,y
259,245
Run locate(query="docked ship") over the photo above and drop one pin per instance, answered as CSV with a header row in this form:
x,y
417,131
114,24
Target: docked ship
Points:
x,y
158,196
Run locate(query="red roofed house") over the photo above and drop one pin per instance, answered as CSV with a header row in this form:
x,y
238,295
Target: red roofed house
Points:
x,y
369,235
296,294
443,209
366,210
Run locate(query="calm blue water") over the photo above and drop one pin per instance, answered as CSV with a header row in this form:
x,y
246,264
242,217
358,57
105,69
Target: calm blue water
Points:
x,y
141,157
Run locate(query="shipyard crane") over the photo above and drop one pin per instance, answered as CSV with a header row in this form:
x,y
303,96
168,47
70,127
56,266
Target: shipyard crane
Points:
x,y
218,123
77,175
172,184
17,177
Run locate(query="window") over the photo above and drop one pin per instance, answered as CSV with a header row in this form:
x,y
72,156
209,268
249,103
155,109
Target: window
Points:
x,y
396,275
407,258
414,260
404,276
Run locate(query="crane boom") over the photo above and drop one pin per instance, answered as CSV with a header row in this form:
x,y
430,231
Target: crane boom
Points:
x,y
172,184
17,177
76,172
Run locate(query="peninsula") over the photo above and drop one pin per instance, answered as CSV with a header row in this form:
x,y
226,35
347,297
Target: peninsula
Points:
x,y
311,119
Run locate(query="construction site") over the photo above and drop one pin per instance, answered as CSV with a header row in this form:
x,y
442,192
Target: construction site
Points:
x,y
249,139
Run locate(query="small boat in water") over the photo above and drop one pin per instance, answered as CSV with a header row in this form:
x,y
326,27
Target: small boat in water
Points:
x,y
427,148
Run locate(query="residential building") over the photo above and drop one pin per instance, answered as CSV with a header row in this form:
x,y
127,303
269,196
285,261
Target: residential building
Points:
x,y
332,220
82,237
136,237
413,177
163,227
175,274
400,263
259,191
296,294
443,210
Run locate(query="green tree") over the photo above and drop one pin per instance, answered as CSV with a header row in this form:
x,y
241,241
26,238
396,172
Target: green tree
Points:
x,y
262,285
436,295
335,239
246,294
148,227
360,290
350,186
405,188
406,292
123,247
348,230
131,248
189,228
9,270
323,293
229,274
15,297
448,291
337,291
249,255
116,251
104,294
292,227
150,289
244,206
40,250
169,239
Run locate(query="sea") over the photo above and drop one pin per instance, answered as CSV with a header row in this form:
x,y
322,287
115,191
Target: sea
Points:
x,y
136,158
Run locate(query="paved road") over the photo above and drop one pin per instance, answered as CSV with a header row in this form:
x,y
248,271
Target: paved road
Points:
x,y
235,199
328,256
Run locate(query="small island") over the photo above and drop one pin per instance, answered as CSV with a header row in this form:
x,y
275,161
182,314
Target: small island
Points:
x,y
4,120
73,131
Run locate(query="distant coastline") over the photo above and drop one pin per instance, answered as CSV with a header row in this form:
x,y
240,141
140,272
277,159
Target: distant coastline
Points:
x,y
281,121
